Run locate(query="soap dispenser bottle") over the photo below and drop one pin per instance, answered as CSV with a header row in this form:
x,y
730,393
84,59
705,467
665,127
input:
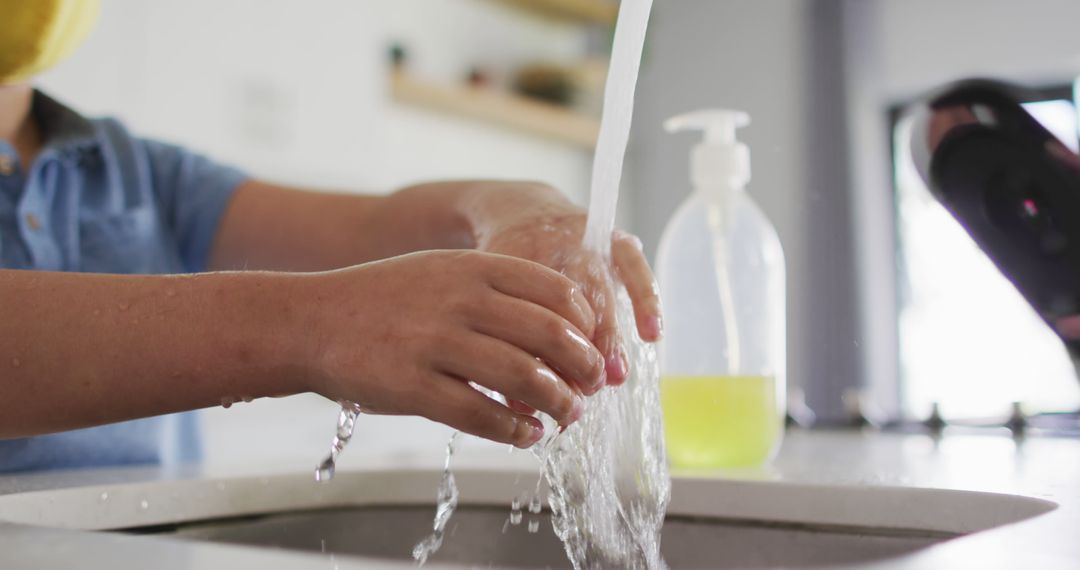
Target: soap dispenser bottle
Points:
x,y
721,273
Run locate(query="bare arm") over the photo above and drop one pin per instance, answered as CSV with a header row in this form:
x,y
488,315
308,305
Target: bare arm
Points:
x,y
273,227
78,350
397,337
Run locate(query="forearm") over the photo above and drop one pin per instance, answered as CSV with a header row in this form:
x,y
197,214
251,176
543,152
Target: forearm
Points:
x,y
270,227
78,350
462,214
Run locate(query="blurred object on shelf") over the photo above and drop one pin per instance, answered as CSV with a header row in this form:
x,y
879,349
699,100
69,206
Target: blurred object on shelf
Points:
x,y
545,82
478,77
498,108
399,56
589,11
580,86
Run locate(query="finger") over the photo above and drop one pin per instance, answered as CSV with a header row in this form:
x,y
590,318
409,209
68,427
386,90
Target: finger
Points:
x,y
512,372
606,339
545,335
633,270
453,402
545,287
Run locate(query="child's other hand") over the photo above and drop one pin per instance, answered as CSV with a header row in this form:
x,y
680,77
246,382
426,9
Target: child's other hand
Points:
x,y
405,335
535,222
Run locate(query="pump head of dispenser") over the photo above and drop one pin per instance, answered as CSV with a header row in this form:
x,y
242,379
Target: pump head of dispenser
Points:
x,y
720,159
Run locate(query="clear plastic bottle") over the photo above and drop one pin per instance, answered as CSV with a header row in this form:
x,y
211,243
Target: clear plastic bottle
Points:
x,y
721,274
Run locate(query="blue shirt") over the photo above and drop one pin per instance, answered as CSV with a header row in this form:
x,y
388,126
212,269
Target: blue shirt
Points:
x,y
98,199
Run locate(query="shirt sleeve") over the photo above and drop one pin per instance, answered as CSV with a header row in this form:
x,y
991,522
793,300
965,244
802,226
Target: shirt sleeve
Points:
x,y
193,192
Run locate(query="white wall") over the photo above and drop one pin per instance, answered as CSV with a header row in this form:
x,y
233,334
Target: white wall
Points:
x,y
924,43
296,91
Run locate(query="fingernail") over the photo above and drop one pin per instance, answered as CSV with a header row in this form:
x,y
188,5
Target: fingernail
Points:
x,y
536,432
616,368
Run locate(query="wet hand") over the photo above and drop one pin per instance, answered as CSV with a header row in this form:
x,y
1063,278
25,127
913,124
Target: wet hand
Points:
x,y
535,222
407,335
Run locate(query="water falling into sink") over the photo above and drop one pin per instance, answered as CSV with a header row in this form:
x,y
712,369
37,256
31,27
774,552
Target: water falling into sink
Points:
x,y
607,473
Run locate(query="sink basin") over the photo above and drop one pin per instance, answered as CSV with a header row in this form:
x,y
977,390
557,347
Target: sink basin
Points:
x,y
379,515
483,537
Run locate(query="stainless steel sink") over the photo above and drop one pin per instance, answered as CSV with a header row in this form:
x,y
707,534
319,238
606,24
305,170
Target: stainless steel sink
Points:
x,y
484,537
374,518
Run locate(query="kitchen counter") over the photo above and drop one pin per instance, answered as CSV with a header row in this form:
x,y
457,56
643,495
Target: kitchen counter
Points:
x,y
1043,468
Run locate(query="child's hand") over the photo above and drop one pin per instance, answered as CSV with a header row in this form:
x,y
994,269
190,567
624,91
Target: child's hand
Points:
x,y
537,223
405,335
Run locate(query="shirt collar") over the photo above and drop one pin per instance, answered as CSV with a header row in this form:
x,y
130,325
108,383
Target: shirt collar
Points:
x,y
62,128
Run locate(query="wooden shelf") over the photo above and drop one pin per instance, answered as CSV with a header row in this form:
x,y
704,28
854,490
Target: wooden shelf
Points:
x,y
498,108
590,11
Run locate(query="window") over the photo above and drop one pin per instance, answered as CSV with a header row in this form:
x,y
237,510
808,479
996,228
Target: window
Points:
x,y
968,340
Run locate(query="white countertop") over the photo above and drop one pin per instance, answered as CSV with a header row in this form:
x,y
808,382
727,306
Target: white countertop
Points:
x,y
1044,468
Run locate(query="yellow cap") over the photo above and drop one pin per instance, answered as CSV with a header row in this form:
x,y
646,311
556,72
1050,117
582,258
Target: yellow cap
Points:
x,y
37,34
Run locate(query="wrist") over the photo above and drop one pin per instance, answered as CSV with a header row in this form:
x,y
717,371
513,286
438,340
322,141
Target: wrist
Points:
x,y
270,333
492,207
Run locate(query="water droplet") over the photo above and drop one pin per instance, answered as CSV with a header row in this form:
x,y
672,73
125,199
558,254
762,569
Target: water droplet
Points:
x,y
345,425
123,306
322,546
227,402
220,486
97,312
16,362
515,517
104,496
246,399
144,505
325,471
534,526
447,503
170,292
535,506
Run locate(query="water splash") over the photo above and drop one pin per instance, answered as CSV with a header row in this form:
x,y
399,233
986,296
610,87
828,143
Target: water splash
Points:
x,y
608,472
345,425
447,503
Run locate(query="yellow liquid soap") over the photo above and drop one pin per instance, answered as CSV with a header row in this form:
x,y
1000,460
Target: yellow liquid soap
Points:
x,y
720,421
